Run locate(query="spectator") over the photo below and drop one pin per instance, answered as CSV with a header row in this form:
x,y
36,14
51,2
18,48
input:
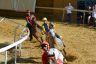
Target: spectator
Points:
x,y
92,19
89,15
69,9
80,20
94,15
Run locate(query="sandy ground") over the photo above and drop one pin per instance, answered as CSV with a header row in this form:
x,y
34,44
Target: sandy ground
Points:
x,y
80,43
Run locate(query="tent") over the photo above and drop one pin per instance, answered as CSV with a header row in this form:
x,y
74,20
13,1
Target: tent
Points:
x,y
18,5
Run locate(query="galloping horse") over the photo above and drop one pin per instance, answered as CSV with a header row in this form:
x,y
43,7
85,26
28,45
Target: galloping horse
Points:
x,y
56,41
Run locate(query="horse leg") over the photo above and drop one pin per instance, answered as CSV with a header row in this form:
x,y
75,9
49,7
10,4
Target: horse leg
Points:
x,y
64,52
41,39
38,38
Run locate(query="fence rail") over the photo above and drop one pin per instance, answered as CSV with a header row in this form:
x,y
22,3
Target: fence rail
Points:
x,y
15,44
61,9
63,12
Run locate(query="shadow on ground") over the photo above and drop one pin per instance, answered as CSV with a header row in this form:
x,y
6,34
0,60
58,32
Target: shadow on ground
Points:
x,y
38,46
71,58
77,25
4,44
28,60
24,60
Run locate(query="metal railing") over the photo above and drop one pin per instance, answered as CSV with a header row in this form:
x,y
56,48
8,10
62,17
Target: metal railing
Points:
x,y
15,44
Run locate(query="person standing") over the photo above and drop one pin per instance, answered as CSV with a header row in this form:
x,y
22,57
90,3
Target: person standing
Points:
x,y
89,15
94,15
92,19
69,9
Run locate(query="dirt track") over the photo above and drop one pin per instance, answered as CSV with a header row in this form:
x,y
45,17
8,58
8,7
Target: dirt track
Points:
x,y
80,44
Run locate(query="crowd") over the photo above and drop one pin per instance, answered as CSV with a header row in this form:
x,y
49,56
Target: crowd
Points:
x,y
90,16
89,19
51,53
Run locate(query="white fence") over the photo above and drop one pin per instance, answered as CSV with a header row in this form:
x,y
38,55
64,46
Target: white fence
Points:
x,y
15,44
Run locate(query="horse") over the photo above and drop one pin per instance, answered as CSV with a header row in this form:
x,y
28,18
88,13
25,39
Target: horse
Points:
x,y
55,41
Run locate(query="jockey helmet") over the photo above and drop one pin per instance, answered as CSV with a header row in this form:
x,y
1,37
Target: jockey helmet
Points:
x,y
44,19
45,44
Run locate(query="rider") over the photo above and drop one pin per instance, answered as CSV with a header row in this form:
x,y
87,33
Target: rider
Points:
x,y
31,24
51,55
51,25
46,29
55,38
45,25
45,47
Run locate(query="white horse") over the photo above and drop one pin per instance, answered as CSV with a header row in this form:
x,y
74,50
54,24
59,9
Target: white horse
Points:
x,y
57,41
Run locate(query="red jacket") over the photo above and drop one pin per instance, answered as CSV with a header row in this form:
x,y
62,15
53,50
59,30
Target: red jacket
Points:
x,y
29,19
45,58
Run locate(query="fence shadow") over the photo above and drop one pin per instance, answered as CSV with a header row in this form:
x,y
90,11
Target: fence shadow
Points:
x,y
77,25
71,58
28,60
4,44
25,60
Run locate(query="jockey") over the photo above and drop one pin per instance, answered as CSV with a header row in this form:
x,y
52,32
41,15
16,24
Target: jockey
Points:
x,y
45,25
31,24
57,38
51,55
51,25
57,57
45,47
46,29
28,18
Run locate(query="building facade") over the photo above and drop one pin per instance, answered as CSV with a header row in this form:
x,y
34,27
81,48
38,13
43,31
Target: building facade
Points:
x,y
55,14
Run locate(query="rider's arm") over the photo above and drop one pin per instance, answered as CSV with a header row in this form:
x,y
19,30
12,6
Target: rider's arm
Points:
x,y
27,20
38,26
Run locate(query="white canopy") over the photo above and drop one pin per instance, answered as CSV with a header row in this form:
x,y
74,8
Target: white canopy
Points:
x,y
18,5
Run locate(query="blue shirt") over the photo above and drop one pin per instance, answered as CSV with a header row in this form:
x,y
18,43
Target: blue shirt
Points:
x,y
46,27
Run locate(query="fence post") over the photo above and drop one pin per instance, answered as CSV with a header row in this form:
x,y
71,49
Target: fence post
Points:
x,y
63,15
83,18
15,54
5,57
20,48
14,41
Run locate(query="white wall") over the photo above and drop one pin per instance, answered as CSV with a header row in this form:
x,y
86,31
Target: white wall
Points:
x,y
18,5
